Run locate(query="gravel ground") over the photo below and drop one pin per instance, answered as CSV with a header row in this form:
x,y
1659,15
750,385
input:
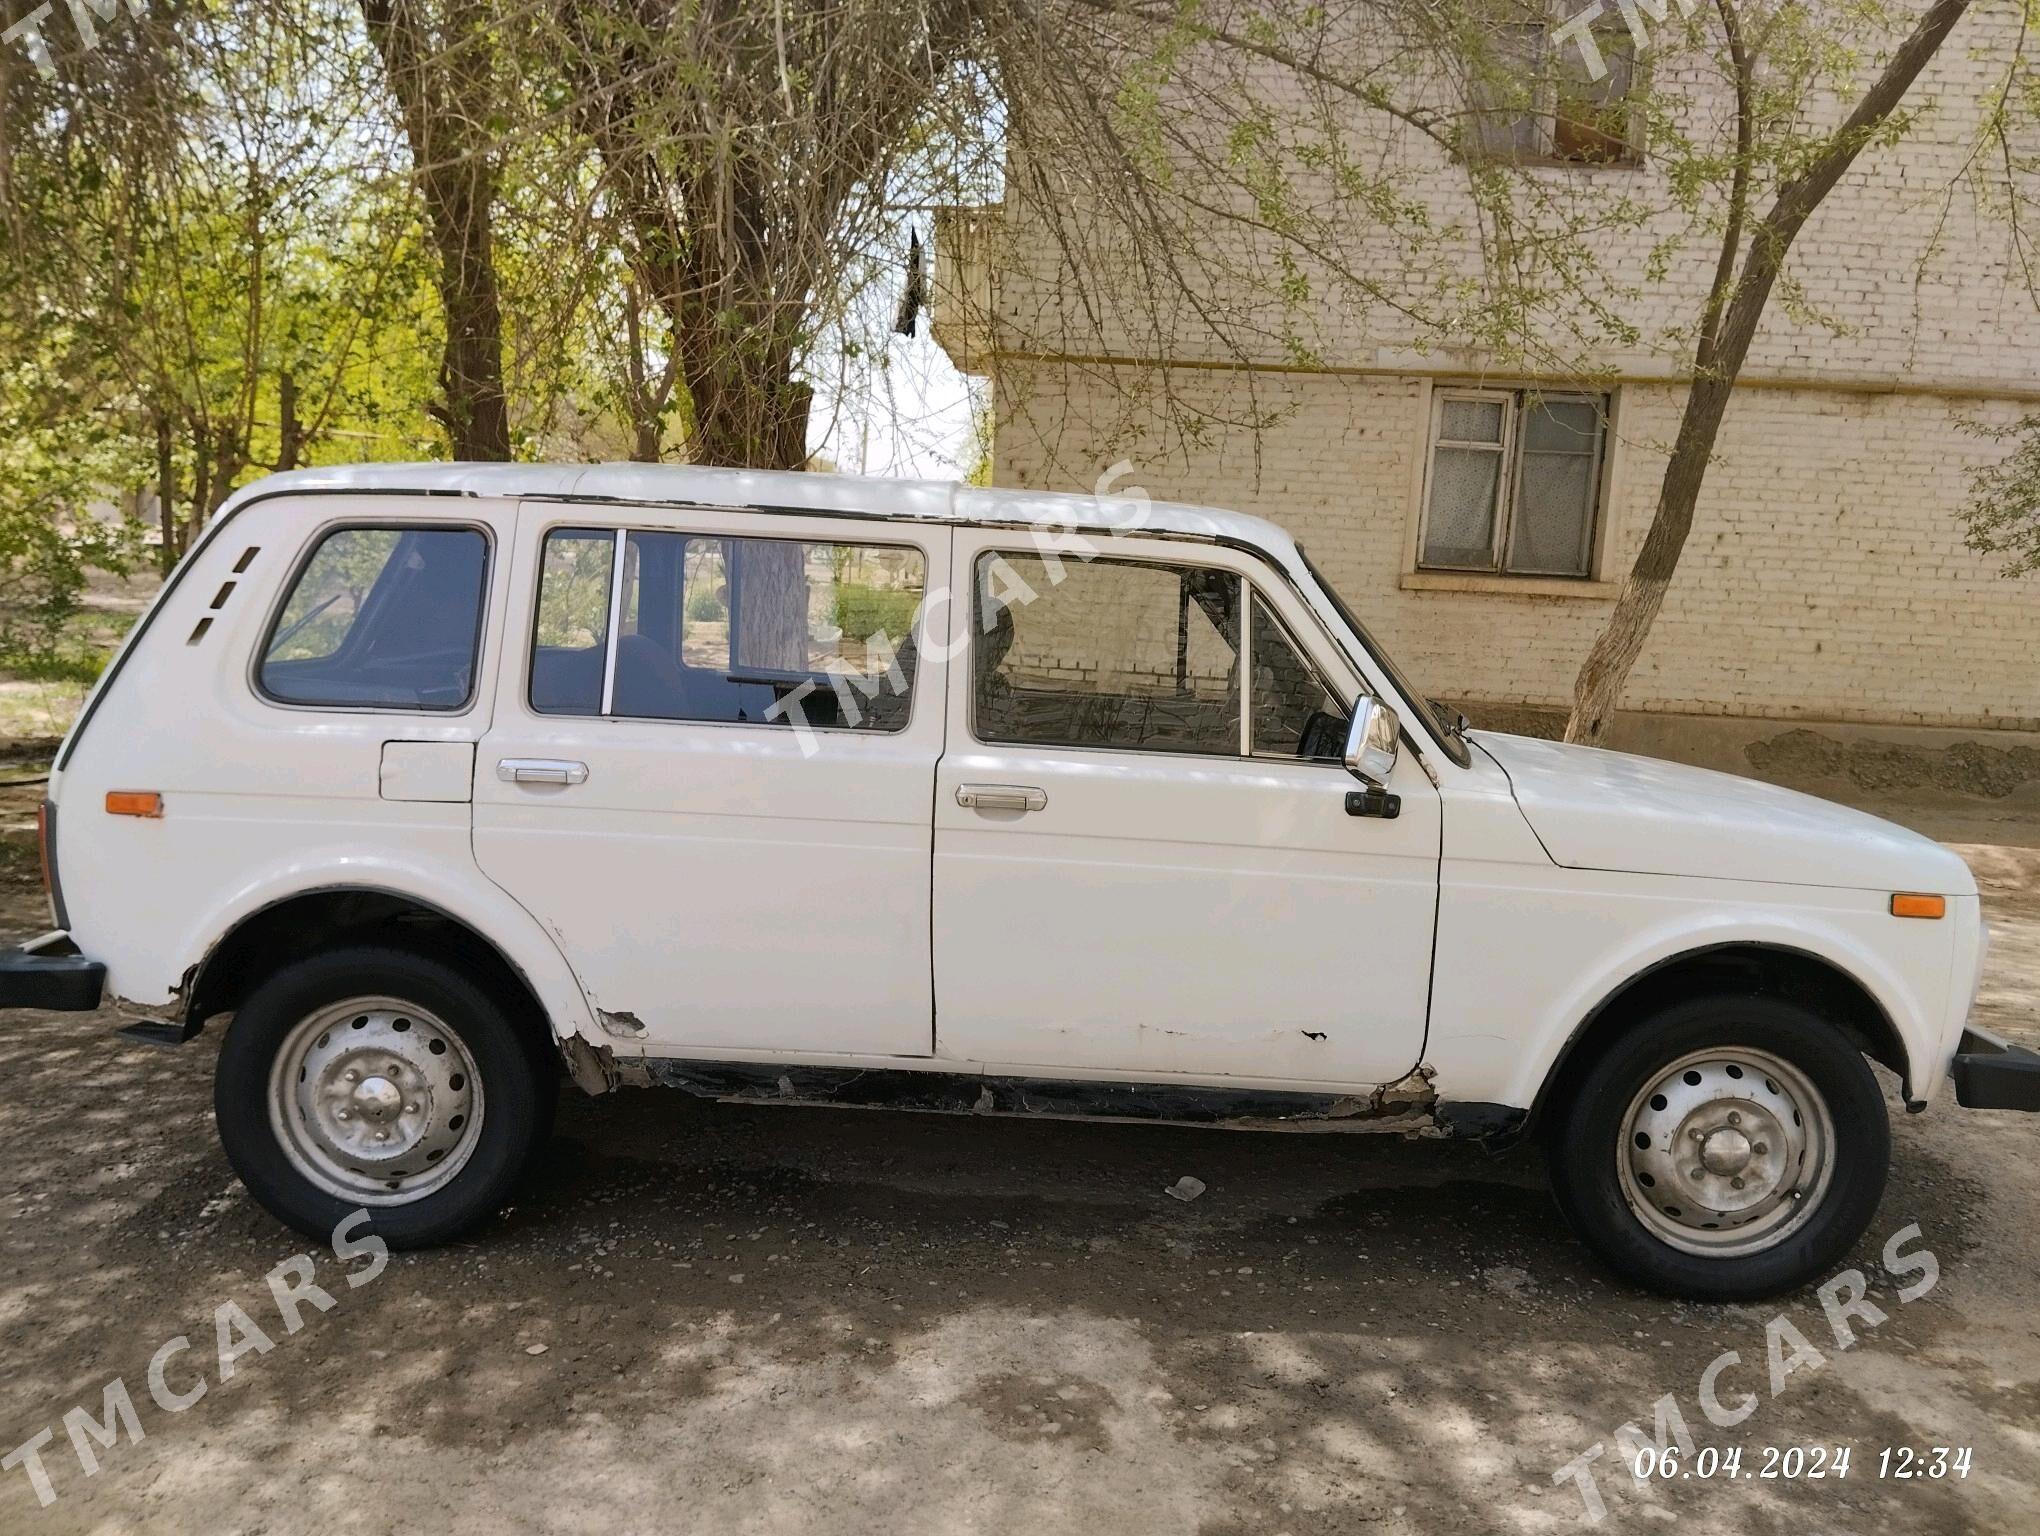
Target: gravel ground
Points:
x,y
787,1320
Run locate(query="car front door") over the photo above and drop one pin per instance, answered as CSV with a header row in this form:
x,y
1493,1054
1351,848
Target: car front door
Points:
x,y
1145,862
709,774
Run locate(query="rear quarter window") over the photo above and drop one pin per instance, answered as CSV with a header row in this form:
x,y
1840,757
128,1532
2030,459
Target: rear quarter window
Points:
x,y
381,617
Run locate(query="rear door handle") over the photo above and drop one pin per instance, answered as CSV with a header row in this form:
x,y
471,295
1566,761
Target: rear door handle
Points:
x,y
1001,797
541,770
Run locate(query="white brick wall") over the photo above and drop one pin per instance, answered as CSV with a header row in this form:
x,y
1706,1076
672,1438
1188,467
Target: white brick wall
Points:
x,y
1826,576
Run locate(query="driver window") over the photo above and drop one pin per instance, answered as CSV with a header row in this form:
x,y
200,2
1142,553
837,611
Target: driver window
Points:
x,y
1126,655
1294,714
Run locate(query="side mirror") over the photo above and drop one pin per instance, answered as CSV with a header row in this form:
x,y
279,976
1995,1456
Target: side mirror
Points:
x,y
1371,740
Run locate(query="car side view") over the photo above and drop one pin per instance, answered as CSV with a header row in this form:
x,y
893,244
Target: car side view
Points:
x,y
441,783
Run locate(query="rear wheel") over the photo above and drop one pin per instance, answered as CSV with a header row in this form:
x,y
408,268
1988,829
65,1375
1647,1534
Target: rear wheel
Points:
x,y
379,1079
1724,1149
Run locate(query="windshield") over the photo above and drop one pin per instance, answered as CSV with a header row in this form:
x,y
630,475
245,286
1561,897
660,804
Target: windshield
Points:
x,y
1454,747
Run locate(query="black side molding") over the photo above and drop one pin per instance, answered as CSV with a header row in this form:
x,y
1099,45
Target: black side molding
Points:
x,y
1992,1073
50,974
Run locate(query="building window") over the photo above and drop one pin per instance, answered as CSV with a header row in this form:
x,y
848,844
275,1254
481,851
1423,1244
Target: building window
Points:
x,y
1513,482
1572,100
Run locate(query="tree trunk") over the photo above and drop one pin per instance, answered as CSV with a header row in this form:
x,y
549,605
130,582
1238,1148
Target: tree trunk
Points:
x,y
743,422
769,577
750,412
442,86
1718,363
166,495
201,487
644,400
1607,665
289,432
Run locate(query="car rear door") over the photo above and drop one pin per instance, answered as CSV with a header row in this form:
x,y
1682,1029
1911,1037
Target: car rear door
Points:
x,y
1139,870
710,770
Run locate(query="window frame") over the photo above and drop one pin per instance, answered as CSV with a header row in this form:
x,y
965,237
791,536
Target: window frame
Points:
x,y
1610,36
309,551
620,534
1542,110
1255,596
1250,593
1514,401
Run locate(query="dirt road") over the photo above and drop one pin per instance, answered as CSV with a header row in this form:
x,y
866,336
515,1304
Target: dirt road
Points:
x,y
778,1320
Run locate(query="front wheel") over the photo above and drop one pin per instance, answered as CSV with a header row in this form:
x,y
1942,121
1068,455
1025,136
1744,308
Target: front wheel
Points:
x,y
378,1079
1724,1149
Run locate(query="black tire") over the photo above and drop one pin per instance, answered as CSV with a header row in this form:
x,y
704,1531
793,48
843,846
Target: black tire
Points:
x,y
1588,1134
520,1091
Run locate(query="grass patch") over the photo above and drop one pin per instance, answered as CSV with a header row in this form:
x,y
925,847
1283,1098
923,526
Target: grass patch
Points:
x,y
79,665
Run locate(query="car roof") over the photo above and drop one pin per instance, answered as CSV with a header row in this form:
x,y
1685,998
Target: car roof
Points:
x,y
794,491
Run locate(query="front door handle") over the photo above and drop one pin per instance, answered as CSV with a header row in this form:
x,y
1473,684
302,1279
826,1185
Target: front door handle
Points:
x,y
541,770
1001,797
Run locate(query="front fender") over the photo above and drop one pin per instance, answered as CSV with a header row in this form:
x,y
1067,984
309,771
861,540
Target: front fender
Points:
x,y
1520,973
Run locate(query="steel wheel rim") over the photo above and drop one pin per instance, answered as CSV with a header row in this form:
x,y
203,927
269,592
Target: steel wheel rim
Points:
x,y
1726,1152
376,1101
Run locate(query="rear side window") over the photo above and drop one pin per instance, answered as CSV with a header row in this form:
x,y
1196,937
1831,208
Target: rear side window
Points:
x,y
381,618
727,630
570,646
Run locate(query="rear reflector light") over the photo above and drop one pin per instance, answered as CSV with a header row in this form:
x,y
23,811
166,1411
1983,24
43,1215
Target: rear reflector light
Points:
x,y
1907,904
133,802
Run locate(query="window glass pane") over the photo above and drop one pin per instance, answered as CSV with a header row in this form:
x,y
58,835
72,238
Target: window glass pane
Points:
x,y
1554,516
1557,485
1470,421
1459,526
569,645
768,631
1294,714
1118,654
1502,94
1594,118
705,606
1561,426
381,618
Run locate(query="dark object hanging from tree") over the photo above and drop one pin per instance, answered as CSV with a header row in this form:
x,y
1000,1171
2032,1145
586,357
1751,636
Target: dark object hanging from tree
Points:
x,y
916,293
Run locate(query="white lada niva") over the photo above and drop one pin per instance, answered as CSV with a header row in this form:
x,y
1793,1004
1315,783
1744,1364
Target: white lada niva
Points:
x,y
446,782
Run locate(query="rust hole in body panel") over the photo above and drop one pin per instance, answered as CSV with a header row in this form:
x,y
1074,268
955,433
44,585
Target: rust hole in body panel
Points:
x,y
627,1025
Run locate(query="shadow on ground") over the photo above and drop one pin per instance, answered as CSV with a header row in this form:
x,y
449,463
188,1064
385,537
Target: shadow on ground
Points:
x,y
791,1319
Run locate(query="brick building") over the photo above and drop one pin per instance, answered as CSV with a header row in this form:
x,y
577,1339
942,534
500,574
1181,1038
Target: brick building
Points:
x,y
1482,519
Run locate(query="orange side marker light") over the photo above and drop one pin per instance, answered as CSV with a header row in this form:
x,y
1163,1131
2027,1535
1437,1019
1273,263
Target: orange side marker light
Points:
x,y
133,802
1911,904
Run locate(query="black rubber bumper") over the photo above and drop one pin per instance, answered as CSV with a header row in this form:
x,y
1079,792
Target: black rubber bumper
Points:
x,y
1992,1073
51,975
